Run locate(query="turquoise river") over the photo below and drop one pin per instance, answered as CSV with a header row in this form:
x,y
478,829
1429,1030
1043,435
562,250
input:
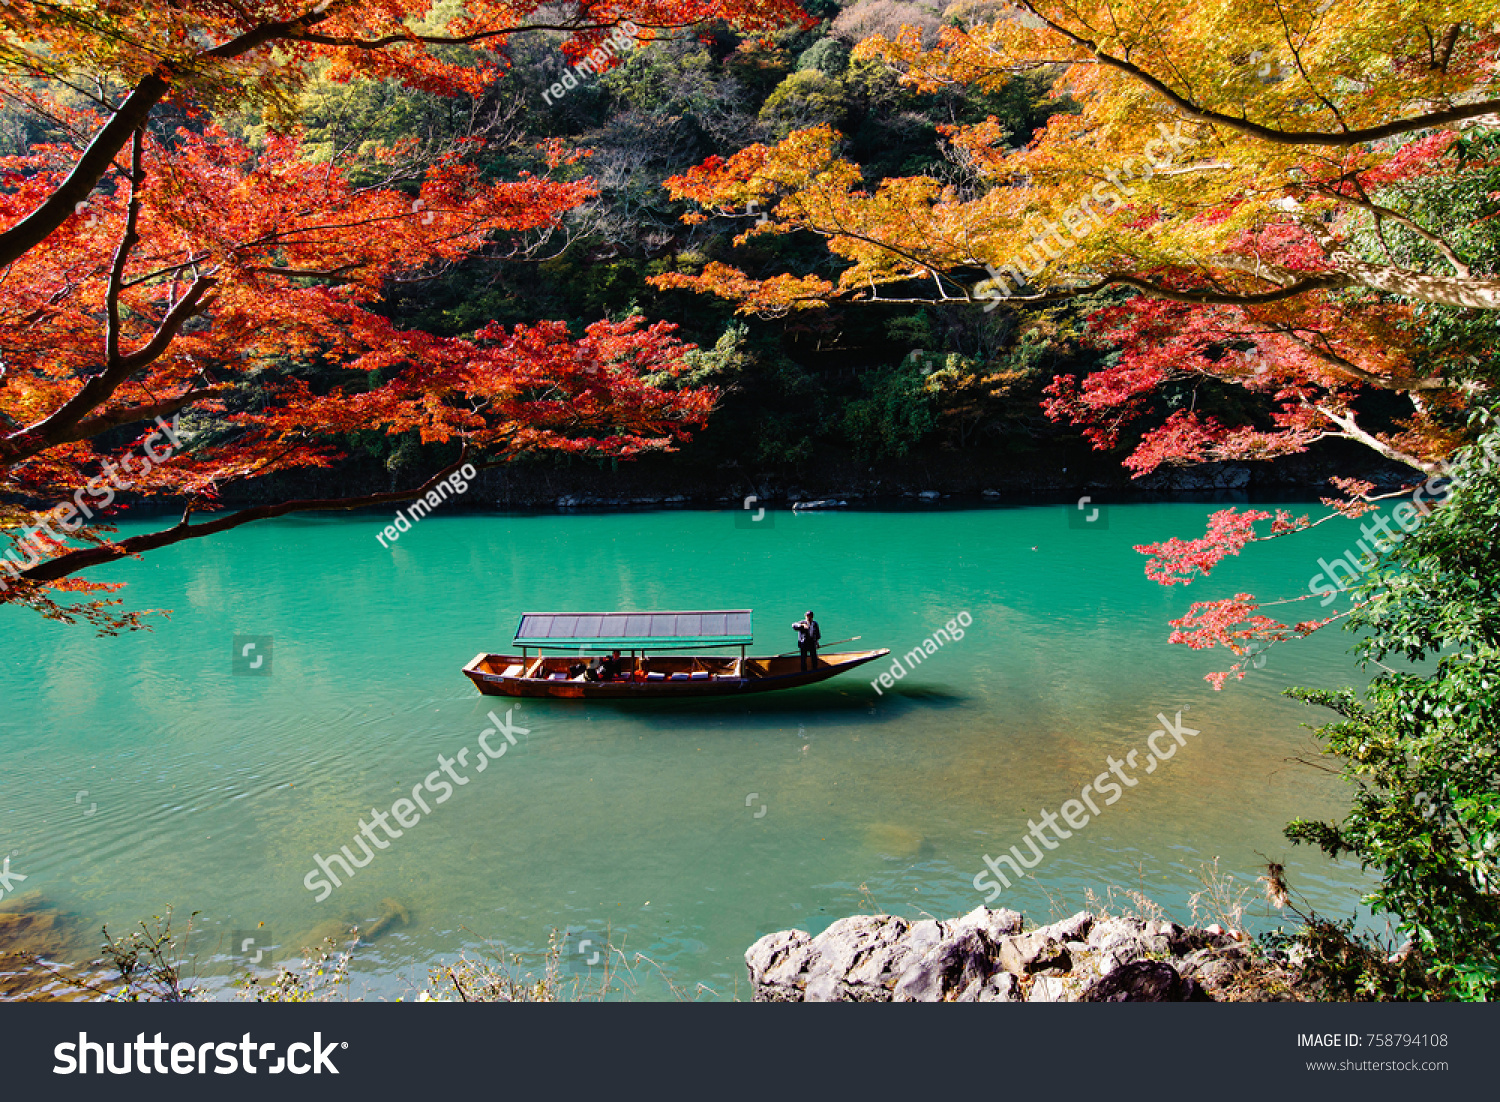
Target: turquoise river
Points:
x,y
142,772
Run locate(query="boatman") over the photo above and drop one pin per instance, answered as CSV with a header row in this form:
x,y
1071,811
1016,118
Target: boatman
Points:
x,y
808,634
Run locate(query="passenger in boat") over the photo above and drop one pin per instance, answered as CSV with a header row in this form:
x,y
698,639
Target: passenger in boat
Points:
x,y
643,670
808,634
607,669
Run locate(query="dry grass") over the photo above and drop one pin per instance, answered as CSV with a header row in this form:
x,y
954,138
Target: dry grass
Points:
x,y
1222,898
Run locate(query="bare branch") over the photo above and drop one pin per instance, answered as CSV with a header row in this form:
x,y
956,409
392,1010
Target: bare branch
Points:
x,y
128,241
1355,432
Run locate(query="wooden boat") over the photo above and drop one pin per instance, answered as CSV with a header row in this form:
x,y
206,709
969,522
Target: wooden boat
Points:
x,y
642,636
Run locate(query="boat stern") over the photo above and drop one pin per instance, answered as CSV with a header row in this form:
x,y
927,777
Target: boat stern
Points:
x,y
488,679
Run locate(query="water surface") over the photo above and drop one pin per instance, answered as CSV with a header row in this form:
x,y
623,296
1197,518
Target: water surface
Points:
x,y
682,831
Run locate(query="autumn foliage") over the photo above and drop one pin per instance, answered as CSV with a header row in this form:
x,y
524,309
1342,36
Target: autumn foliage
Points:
x,y
156,265
1228,164
1247,197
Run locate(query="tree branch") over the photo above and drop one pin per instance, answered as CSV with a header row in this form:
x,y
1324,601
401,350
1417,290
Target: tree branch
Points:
x,y
458,40
1460,269
1450,40
1325,352
1479,292
54,429
1354,432
129,415
131,115
72,562
128,241
90,168
1340,138
1211,298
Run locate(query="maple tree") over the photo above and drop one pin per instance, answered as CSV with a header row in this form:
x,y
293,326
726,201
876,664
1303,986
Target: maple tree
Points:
x,y
1249,195
165,280
1223,160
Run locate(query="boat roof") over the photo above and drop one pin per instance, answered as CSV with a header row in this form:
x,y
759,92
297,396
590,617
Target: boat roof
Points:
x,y
660,630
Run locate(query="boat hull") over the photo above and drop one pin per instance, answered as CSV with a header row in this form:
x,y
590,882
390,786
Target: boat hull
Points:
x,y
755,675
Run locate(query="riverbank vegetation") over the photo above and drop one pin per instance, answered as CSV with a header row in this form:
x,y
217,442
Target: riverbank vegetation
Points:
x,y
254,251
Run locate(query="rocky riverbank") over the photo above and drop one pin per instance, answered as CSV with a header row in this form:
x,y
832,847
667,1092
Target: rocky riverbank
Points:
x,y
953,478
989,956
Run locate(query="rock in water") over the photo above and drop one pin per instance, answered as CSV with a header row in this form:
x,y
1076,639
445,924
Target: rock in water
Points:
x,y
36,941
894,840
392,913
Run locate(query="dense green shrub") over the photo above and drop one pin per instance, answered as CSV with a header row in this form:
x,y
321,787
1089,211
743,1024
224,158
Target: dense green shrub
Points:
x,y
1422,747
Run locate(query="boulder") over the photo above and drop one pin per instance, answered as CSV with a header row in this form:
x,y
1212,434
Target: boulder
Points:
x,y
1000,987
872,958
778,964
1120,941
984,956
1051,989
1069,929
1215,970
995,924
1033,952
876,969
1144,981
949,968
871,940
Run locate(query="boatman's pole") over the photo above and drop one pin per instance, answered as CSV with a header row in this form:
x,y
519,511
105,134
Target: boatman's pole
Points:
x,y
823,646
